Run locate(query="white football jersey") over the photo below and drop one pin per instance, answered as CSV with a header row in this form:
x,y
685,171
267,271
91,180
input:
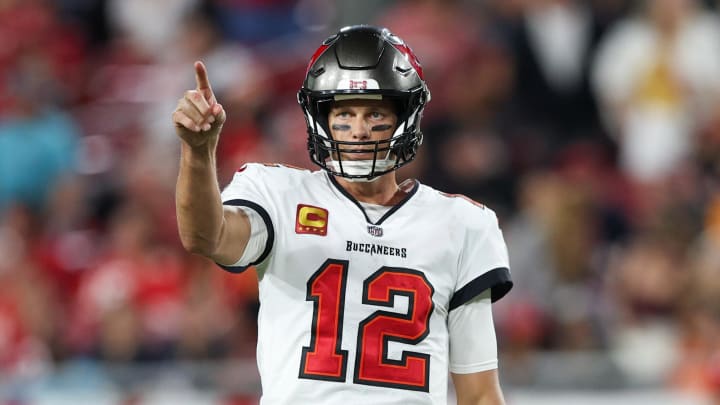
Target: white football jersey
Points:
x,y
355,312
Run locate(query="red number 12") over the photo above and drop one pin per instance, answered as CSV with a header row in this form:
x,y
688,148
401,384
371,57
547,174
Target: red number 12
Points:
x,y
324,359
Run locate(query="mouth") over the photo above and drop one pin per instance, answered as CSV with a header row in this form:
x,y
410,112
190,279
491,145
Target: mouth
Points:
x,y
360,152
366,151
357,155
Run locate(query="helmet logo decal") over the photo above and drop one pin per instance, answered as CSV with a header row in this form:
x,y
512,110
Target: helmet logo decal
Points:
x,y
358,84
364,84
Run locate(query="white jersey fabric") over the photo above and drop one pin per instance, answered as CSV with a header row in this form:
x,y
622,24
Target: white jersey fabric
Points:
x,y
355,311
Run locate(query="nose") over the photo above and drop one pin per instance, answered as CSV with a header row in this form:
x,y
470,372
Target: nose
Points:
x,y
360,129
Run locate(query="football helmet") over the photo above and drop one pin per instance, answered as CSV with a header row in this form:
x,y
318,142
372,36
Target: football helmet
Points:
x,y
363,62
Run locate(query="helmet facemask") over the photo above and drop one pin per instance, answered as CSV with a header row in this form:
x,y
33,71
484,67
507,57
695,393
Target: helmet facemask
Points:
x,y
387,154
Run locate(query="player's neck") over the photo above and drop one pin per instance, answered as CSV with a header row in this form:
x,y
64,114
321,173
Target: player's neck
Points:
x,y
383,191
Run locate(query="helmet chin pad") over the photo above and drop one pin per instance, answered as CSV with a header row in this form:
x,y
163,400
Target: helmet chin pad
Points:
x,y
360,170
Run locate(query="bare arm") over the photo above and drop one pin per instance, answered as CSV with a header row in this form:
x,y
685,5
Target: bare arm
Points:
x,y
481,388
206,227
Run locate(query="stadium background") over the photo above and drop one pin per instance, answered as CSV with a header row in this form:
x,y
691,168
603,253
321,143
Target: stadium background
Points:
x,y
591,127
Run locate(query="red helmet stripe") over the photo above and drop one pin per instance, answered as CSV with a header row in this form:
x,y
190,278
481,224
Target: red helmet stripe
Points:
x,y
405,50
315,57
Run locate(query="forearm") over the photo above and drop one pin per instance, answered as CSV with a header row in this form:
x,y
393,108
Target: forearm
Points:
x,y
482,388
197,198
493,398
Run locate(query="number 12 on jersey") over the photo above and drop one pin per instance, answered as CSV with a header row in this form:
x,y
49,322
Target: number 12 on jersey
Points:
x,y
324,358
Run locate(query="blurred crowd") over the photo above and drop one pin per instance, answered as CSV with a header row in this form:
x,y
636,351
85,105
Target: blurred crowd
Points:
x,y
591,127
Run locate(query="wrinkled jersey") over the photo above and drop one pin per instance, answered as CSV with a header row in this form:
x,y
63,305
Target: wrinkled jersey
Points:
x,y
354,311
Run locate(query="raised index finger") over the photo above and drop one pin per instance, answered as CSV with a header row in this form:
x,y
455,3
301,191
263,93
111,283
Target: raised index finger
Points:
x,y
202,81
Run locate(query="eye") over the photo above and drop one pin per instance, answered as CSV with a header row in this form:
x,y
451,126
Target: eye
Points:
x,y
377,115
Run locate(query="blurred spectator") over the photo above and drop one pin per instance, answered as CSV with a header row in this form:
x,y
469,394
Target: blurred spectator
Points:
x,y
89,16
129,306
656,75
465,147
38,140
553,42
708,149
149,25
647,280
254,21
699,361
29,315
556,237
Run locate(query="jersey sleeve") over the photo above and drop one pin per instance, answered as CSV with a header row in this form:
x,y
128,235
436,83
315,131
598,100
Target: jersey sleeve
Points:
x,y
247,191
258,240
483,262
473,344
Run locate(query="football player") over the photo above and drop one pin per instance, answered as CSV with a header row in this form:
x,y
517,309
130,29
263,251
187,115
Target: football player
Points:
x,y
370,290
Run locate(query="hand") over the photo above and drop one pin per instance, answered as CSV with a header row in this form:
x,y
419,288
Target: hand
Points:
x,y
199,117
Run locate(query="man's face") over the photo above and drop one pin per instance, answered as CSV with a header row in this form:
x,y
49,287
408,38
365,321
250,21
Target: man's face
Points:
x,y
361,120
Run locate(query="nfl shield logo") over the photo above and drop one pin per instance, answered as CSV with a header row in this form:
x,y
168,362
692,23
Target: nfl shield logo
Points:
x,y
375,230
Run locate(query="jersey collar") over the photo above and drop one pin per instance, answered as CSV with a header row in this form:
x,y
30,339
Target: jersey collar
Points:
x,y
414,188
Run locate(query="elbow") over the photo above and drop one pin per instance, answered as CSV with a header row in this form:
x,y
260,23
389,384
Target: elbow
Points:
x,y
198,246
199,240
